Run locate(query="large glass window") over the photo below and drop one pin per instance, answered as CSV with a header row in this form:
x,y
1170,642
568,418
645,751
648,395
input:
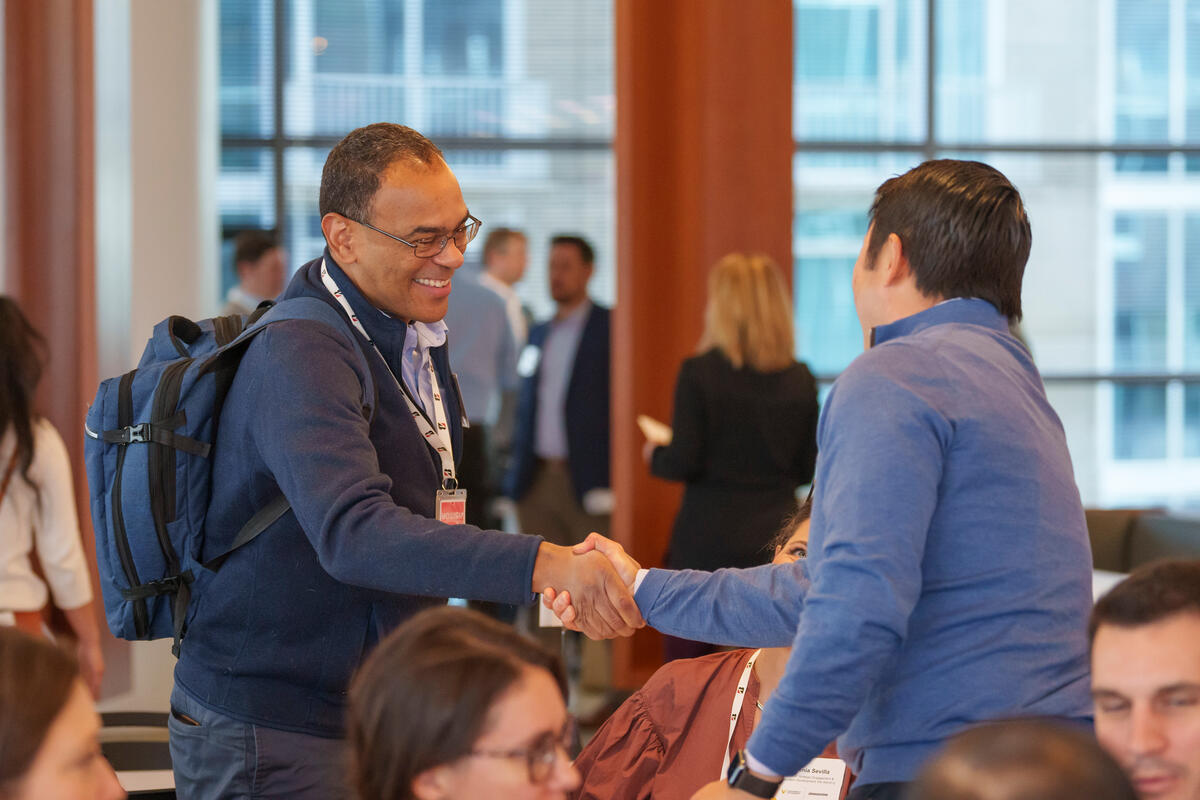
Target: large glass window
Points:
x,y
518,93
1092,108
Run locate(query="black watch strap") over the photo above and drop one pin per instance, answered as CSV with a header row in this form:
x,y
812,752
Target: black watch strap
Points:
x,y
739,777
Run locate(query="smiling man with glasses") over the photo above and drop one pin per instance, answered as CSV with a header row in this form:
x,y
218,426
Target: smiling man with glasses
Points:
x,y
368,465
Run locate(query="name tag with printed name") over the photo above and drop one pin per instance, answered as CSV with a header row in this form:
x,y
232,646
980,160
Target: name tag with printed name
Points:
x,y
821,779
452,506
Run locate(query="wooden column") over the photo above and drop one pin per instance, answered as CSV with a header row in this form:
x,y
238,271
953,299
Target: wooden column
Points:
x,y
49,264
704,167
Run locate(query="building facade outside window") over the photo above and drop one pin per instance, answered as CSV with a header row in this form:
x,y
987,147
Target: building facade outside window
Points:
x,y
1092,107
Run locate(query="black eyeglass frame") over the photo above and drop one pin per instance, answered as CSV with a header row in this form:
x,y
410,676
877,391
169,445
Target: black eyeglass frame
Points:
x,y
469,228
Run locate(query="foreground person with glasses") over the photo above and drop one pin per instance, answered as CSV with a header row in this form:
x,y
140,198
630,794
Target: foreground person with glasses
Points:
x,y
456,705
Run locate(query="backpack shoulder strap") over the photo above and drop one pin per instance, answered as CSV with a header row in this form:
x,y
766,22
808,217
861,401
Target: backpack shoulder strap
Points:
x,y
315,310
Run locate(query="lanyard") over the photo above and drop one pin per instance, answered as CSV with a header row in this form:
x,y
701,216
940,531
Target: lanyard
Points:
x,y
738,698
437,438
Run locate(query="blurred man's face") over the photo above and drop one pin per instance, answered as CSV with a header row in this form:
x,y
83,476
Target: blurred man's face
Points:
x,y
510,260
569,274
264,277
1146,688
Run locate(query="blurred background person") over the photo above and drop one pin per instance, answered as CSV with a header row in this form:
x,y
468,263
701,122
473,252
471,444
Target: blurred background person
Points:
x,y
39,529
49,746
258,262
671,737
483,354
744,427
455,705
505,257
1022,760
559,475
560,471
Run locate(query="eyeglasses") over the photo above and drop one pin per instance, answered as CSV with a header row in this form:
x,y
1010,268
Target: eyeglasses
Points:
x,y
541,756
430,246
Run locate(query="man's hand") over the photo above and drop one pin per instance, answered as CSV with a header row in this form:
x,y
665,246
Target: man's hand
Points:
x,y
622,562
720,790
601,602
559,599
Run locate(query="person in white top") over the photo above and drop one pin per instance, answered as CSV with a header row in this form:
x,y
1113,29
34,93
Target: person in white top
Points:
x,y
37,504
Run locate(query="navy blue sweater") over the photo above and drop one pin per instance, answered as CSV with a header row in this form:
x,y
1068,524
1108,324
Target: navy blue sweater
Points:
x,y
276,634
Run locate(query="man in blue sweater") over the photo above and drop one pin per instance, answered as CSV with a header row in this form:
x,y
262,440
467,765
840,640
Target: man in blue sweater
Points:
x,y
948,573
275,636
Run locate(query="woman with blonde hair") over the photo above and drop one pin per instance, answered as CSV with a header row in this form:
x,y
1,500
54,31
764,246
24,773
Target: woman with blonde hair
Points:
x,y
745,423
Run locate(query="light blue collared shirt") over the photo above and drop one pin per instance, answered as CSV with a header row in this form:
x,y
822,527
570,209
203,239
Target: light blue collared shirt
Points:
x,y
419,337
558,359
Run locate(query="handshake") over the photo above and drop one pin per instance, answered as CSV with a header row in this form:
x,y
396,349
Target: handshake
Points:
x,y
590,586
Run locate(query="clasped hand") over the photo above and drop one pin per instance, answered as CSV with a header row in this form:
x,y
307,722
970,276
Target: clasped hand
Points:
x,y
594,595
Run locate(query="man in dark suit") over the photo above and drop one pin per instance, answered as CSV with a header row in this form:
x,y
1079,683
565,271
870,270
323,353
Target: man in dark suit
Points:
x,y
559,475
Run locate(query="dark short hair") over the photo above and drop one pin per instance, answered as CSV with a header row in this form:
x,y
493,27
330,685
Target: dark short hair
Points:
x,y
964,230
586,251
1029,759
498,239
789,527
36,680
355,166
1151,593
422,698
251,245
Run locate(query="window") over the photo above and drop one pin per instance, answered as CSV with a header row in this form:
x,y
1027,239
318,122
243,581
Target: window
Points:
x,y
1092,108
518,94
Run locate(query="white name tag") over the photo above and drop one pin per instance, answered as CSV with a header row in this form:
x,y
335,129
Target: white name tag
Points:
x,y
527,363
822,779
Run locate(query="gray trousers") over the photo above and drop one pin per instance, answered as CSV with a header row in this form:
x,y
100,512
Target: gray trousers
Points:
x,y
219,757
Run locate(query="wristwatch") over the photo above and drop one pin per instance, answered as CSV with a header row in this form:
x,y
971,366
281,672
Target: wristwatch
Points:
x,y
739,777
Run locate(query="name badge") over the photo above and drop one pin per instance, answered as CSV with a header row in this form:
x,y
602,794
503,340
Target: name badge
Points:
x,y
822,778
452,506
527,363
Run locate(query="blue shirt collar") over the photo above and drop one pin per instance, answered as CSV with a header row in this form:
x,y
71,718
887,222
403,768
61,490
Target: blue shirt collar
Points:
x,y
963,310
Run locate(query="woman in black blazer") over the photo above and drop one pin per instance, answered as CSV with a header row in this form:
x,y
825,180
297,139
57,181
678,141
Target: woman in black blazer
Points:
x,y
745,426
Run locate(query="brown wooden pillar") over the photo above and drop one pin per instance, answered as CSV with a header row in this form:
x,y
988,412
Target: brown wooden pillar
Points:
x,y
704,167
49,262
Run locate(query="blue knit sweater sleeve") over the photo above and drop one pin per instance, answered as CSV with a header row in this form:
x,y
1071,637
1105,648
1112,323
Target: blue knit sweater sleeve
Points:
x,y
758,607
312,436
882,446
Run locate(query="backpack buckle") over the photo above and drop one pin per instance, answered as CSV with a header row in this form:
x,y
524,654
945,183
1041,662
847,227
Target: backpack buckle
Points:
x,y
138,433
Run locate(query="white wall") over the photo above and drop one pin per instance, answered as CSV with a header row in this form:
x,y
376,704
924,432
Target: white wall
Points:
x,y
157,237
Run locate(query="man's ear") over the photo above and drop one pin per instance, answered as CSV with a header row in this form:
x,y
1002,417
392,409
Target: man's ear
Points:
x,y
340,238
893,261
433,783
